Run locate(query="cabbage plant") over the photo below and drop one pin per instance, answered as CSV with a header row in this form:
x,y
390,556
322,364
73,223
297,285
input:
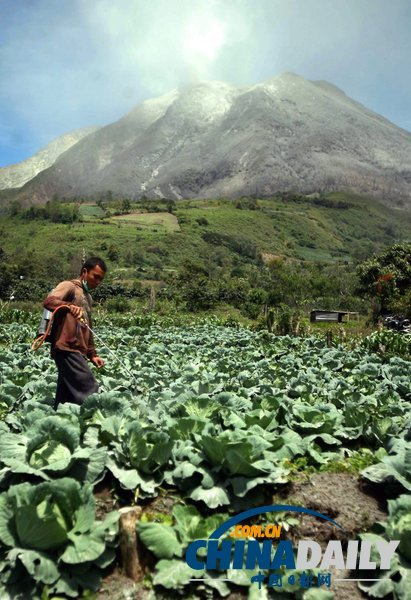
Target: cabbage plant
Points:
x,y
49,537
395,468
395,582
51,448
137,458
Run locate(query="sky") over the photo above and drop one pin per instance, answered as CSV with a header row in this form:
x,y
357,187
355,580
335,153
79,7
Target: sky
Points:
x,y
66,64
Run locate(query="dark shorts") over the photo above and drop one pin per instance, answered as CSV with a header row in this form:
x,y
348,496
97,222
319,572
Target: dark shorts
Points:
x,y
75,380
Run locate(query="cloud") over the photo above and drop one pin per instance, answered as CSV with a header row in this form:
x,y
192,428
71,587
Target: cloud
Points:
x,y
166,43
68,65
65,65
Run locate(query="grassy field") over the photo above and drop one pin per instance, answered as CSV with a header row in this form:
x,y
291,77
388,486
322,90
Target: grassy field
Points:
x,y
157,222
91,210
347,228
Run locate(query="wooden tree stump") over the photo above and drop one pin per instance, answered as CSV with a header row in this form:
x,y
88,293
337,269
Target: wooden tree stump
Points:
x,y
152,301
129,545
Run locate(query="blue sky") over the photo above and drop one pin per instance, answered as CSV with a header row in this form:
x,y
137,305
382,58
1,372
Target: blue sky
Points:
x,y
73,63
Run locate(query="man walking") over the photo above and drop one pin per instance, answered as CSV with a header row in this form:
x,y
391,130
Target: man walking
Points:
x,y
71,341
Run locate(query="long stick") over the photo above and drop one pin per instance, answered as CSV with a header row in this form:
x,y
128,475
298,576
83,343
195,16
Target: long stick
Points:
x,y
111,351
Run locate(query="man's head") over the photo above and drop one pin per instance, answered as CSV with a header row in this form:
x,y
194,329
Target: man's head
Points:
x,y
93,271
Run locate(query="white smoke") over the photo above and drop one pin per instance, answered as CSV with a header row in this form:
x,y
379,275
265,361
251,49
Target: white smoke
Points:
x,y
65,65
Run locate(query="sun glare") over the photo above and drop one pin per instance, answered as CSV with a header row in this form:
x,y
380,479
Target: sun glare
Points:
x,y
204,38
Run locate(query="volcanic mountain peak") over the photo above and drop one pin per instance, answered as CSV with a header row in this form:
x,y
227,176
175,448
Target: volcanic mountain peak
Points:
x,y
214,139
205,102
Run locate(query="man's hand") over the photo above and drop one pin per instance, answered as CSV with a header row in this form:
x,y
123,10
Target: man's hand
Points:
x,y
96,360
76,311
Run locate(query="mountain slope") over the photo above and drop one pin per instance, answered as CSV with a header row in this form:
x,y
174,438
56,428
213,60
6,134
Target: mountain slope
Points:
x,y
214,139
221,234
15,176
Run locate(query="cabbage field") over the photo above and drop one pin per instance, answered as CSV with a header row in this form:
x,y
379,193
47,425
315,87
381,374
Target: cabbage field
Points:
x,y
217,418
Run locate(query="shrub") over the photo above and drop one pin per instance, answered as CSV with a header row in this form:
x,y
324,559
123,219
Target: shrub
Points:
x,y
118,304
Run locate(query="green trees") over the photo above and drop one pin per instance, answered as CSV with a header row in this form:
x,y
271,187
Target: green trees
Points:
x,y
386,277
113,253
125,206
54,211
303,284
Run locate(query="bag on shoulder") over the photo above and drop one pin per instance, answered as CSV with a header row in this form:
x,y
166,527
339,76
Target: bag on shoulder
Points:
x,y
46,316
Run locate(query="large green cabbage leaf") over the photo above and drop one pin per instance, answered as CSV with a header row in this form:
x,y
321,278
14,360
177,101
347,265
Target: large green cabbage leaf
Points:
x,y
46,526
50,448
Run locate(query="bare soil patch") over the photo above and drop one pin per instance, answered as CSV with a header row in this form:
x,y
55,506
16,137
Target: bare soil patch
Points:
x,y
269,257
117,586
347,500
105,501
340,496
